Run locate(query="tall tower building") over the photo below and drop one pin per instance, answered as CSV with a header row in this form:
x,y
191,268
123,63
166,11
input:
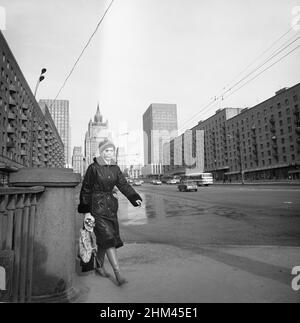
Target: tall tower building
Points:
x,y
77,160
97,132
159,126
59,110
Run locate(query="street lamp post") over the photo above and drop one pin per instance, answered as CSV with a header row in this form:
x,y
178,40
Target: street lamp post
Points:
x,y
40,79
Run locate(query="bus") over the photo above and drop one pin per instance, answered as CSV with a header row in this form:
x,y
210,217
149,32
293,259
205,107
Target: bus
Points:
x,y
202,179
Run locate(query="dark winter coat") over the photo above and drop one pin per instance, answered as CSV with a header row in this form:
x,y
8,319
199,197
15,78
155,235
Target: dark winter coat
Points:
x,y
96,197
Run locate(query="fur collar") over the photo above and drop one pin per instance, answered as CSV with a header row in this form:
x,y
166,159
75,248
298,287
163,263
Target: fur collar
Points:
x,y
100,160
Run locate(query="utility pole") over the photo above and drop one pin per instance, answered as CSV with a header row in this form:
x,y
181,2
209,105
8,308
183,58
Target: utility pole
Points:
x,y
238,142
240,159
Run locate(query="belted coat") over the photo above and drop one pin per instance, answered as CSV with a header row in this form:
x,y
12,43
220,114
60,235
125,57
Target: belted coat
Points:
x,y
97,197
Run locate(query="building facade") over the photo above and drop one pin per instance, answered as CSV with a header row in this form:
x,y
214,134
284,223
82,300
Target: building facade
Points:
x,y
28,136
264,141
59,110
215,141
78,160
258,143
135,171
184,154
97,131
159,127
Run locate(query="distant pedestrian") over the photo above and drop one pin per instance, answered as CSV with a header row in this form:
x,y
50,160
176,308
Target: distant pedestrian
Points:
x,y
97,199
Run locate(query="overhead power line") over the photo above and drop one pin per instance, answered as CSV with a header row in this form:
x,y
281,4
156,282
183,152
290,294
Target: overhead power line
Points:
x,y
275,53
262,54
83,50
210,104
280,59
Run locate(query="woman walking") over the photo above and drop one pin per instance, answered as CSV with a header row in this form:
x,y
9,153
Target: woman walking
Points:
x,y
97,199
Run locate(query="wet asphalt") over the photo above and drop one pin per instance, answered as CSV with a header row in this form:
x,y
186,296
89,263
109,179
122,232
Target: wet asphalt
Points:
x,y
216,215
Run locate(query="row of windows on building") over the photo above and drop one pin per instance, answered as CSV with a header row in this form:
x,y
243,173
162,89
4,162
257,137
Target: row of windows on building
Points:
x,y
267,136
219,136
288,111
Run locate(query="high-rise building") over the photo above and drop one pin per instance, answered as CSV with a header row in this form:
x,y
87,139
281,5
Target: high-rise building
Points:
x,y
28,136
59,110
77,160
97,131
159,126
215,141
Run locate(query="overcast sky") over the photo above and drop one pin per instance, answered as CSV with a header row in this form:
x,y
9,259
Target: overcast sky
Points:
x,y
149,51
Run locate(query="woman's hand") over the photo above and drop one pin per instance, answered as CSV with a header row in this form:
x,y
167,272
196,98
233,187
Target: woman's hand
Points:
x,y
139,202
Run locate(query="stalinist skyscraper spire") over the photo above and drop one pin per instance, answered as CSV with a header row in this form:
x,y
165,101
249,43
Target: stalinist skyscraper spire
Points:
x,y
98,116
97,132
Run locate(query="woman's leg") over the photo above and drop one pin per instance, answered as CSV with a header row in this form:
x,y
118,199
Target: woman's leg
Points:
x,y
100,263
112,257
101,256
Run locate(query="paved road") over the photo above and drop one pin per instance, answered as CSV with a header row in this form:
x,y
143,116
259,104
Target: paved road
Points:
x,y
217,215
220,244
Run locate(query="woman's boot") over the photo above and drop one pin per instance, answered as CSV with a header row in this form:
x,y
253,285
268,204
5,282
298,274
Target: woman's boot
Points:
x,y
112,257
100,270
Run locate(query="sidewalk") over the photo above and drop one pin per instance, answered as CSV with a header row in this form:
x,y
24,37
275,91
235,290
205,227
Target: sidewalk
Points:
x,y
163,273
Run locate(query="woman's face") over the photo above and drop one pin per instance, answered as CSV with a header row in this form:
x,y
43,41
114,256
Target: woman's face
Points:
x,y
108,153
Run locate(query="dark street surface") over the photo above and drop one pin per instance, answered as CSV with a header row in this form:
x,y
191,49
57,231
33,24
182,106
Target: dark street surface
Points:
x,y
224,243
215,215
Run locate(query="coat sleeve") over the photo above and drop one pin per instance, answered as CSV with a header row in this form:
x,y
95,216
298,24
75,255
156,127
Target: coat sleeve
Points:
x,y
86,192
127,189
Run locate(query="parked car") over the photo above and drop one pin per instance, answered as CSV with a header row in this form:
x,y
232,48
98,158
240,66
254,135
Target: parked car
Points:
x,y
137,182
156,182
172,182
187,186
130,181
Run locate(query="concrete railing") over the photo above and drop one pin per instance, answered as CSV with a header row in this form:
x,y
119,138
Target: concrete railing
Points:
x,y
17,224
37,234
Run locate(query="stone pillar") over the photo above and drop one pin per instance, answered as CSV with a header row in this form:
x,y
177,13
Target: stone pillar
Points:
x,y
54,245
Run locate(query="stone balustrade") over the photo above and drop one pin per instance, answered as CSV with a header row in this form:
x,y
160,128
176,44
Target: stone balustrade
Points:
x,y
37,235
17,224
